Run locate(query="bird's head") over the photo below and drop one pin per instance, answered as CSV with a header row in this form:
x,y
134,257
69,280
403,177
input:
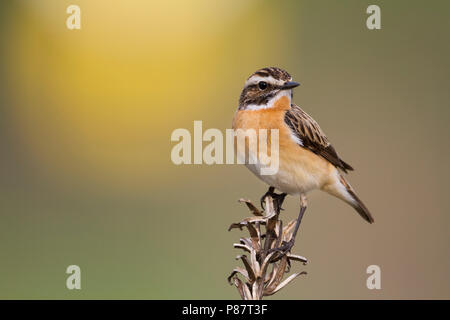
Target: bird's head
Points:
x,y
264,87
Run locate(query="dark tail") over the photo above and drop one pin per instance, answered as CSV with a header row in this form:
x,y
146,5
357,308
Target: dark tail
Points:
x,y
356,202
361,208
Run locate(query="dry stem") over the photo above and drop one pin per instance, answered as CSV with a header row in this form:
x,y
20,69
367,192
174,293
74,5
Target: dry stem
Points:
x,y
258,281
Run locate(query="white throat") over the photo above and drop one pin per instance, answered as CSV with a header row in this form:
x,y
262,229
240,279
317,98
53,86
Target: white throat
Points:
x,y
271,102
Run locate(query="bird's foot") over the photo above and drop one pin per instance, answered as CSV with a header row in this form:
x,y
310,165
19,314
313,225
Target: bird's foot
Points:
x,y
284,248
278,199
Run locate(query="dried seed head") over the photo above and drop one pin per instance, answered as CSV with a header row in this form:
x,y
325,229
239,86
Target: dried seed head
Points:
x,y
258,280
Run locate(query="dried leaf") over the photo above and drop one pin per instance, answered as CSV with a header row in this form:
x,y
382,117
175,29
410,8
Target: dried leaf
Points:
x,y
242,246
266,262
246,241
247,293
270,210
286,281
252,208
250,272
297,258
238,270
278,242
271,226
254,236
255,263
269,274
277,277
288,266
240,286
288,230
258,231
255,290
244,222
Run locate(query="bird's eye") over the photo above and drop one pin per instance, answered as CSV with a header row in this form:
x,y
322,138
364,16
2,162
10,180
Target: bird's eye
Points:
x,y
262,85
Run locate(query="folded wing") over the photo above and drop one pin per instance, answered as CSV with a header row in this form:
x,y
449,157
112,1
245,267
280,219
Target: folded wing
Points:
x,y
308,132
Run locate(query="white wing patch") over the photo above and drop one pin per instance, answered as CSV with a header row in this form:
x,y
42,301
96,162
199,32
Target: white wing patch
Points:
x,y
296,139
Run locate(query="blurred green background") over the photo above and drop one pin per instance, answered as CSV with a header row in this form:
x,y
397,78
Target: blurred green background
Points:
x,y
85,124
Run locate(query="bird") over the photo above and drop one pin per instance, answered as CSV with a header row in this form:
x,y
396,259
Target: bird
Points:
x,y
307,160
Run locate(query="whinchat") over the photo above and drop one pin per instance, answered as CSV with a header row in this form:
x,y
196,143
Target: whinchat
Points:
x,y
307,160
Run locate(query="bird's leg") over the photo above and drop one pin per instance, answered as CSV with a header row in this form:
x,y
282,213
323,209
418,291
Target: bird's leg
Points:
x,y
287,246
278,199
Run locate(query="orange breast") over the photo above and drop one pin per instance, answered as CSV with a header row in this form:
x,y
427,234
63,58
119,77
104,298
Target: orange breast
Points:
x,y
300,169
271,118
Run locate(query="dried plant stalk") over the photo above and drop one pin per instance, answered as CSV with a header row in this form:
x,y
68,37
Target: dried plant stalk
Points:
x,y
264,270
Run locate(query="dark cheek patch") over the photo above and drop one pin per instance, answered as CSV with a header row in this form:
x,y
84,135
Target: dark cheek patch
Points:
x,y
253,95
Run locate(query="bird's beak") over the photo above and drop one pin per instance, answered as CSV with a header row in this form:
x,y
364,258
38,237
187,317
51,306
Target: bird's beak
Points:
x,y
289,85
